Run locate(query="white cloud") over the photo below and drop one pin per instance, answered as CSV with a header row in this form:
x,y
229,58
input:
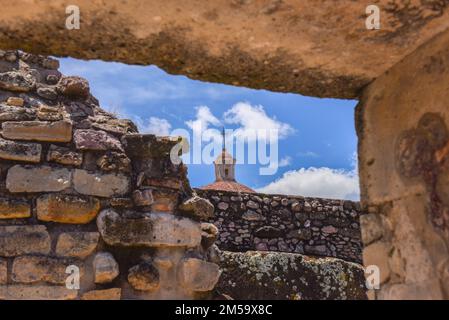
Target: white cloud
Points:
x,y
204,119
317,182
284,162
154,125
252,118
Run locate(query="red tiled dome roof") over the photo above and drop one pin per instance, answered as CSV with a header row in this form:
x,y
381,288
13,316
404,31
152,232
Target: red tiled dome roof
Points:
x,y
228,186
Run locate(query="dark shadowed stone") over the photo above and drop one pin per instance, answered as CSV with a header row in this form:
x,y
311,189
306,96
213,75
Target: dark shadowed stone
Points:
x,y
74,87
252,216
279,275
19,240
3,271
16,81
114,161
150,146
268,232
198,207
20,151
301,234
148,229
87,139
143,197
144,277
64,156
12,113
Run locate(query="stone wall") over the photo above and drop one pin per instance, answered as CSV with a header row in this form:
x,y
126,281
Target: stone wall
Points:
x,y
81,190
403,128
311,226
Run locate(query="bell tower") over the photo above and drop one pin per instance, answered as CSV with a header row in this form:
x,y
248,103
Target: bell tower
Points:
x,y
224,164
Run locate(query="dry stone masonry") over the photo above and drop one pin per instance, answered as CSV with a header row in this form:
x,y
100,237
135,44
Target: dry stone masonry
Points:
x,y
79,187
311,226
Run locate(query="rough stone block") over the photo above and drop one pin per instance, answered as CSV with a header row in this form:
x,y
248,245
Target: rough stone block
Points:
x,y
3,271
106,294
77,244
20,151
58,131
88,139
199,207
13,209
114,161
148,229
19,240
36,292
32,269
74,87
64,156
15,101
101,185
143,197
198,275
37,179
106,269
144,277
372,228
67,208
16,81
149,146
10,113
164,201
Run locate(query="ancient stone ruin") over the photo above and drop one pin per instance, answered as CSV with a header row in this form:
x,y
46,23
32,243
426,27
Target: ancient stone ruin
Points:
x,y
82,188
83,193
399,73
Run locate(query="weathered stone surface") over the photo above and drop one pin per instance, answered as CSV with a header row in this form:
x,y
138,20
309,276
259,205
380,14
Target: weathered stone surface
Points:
x,y
106,294
74,87
77,244
377,254
143,197
106,269
47,113
164,201
10,113
209,234
20,151
47,92
64,156
101,185
279,275
116,126
149,145
37,179
198,207
114,161
66,208
198,275
13,209
144,277
57,131
15,101
88,139
3,271
32,269
152,230
19,240
16,81
247,43
37,292
371,227
425,290
252,216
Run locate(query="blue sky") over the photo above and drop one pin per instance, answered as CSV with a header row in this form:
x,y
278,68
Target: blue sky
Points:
x,y
318,143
